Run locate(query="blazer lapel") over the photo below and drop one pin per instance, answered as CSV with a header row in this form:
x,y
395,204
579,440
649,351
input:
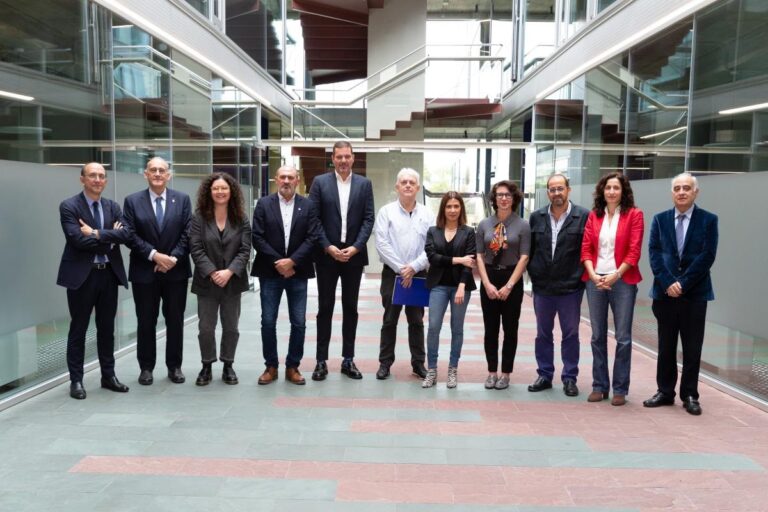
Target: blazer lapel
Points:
x,y
83,203
277,214
297,211
149,211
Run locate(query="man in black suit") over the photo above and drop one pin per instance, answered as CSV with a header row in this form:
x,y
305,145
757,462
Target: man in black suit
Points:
x,y
91,268
682,248
284,233
344,204
158,219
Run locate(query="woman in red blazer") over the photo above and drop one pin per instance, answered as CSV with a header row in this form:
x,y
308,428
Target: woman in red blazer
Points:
x,y
610,251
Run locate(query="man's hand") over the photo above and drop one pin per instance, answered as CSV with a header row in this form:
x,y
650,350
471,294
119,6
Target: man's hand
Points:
x,y
221,277
163,262
85,229
675,290
285,267
348,252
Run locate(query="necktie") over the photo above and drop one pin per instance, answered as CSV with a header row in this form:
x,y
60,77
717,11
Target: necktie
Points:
x,y
680,234
100,258
159,211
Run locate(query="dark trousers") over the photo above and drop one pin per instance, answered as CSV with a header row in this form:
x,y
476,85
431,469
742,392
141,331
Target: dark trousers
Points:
x,y
147,298
687,319
568,310
414,315
498,313
271,291
209,308
328,276
99,292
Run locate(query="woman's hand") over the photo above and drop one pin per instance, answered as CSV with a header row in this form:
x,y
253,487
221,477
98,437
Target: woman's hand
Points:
x,y
468,261
491,291
459,297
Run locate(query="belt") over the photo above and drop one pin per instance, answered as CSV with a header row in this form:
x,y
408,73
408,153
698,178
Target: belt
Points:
x,y
500,267
100,266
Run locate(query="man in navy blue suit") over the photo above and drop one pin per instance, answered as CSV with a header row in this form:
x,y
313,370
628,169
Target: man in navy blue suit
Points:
x,y
158,219
91,269
284,233
344,204
682,249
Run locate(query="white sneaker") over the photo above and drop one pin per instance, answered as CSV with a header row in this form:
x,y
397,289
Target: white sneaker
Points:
x,y
453,378
490,382
430,379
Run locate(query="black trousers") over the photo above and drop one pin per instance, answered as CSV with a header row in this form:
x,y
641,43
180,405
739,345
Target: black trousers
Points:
x,y
414,315
147,298
99,292
686,319
328,275
498,313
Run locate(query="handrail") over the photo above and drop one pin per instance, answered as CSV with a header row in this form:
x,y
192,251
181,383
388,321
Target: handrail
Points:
x,y
373,90
326,123
653,101
205,82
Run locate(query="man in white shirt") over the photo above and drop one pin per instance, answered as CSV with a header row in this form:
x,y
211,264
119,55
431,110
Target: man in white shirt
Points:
x,y
401,231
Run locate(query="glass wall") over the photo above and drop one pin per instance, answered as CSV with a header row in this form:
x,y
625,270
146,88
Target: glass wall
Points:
x,y
79,84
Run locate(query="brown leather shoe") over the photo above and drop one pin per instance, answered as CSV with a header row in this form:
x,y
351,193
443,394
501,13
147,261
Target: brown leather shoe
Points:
x,y
269,375
597,396
618,400
293,376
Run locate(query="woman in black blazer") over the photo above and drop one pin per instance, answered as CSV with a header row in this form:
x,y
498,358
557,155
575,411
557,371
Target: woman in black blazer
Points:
x,y
450,248
220,245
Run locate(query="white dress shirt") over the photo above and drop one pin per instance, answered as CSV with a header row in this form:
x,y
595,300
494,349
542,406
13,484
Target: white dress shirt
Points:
x,y
344,187
400,236
606,249
286,211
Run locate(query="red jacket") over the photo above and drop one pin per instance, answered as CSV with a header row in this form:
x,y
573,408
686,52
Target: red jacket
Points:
x,y
629,242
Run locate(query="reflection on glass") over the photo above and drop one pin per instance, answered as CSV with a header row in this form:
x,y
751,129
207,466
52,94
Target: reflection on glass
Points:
x,y
539,33
257,28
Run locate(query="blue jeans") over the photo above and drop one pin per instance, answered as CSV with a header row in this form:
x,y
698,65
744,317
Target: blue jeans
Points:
x,y
439,297
568,310
621,299
271,290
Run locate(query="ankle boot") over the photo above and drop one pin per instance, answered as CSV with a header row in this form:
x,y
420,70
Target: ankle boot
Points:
x,y
228,375
205,376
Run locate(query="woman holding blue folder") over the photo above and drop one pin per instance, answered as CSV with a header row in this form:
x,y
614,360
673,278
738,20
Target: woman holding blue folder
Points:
x,y
450,248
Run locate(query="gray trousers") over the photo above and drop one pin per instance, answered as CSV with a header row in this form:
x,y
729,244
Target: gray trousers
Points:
x,y
208,311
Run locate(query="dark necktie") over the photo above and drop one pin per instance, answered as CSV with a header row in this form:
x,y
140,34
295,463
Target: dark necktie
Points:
x,y
159,211
100,258
680,234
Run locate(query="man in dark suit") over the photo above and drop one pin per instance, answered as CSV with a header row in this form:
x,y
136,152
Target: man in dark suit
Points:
x,y
158,219
555,271
682,249
284,233
344,204
91,269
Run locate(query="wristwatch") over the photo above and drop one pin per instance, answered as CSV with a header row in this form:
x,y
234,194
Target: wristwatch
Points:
x,y
509,286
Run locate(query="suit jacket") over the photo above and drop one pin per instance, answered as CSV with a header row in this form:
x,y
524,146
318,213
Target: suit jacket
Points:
x,y
559,274
360,216
629,242
211,251
268,236
699,250
436,248
172,238
80,250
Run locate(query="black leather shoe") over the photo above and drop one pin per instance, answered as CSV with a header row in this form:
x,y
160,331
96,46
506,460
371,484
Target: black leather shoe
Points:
x,y
350,370
692,406
570,388
321,371
145,378
176,376
658,400
205,376
419,370
228,375
383,372
540,385
77,391
112,384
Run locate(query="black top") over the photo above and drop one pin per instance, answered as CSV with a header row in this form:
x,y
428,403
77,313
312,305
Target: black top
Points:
x,y
440,259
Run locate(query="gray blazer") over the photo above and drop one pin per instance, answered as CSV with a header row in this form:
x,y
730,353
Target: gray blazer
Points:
x,y
211,251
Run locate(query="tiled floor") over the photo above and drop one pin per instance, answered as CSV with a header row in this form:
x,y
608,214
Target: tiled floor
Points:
x,y
344,445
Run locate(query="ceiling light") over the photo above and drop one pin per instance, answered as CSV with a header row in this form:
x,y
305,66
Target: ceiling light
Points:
x,y
739,110
14,96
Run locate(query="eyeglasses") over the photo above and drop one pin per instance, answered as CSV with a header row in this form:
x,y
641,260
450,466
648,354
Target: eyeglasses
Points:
x,y
556,190
157,170
503,195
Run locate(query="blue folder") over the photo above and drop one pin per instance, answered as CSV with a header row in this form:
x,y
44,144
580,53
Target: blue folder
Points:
x,y
416,295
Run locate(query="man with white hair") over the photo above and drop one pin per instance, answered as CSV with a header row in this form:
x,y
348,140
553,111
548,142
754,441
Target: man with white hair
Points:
x,y
401,231
682,249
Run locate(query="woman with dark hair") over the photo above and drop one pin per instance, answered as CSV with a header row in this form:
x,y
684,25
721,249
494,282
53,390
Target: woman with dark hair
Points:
x,y
610,251
450,248
220,245
503,244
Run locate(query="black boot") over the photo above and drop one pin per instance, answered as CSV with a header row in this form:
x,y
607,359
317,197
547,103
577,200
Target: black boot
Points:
x,y
206,376
228,375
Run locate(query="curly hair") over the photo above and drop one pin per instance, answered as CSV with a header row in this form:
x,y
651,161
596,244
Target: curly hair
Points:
x,y
627,197
517,196
205,205
440,222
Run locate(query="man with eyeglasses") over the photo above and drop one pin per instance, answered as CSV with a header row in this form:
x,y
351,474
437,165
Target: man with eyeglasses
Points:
x,y
158,219
555,271
91,268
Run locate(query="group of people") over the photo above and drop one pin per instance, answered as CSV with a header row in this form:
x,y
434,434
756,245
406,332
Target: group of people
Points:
x,y
564,248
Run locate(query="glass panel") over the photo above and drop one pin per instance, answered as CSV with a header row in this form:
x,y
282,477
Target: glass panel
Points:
x,y
603,4
202,6
539,33
257,27
577,16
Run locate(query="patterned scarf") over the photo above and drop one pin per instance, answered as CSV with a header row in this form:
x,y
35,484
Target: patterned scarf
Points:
x,y
499,240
